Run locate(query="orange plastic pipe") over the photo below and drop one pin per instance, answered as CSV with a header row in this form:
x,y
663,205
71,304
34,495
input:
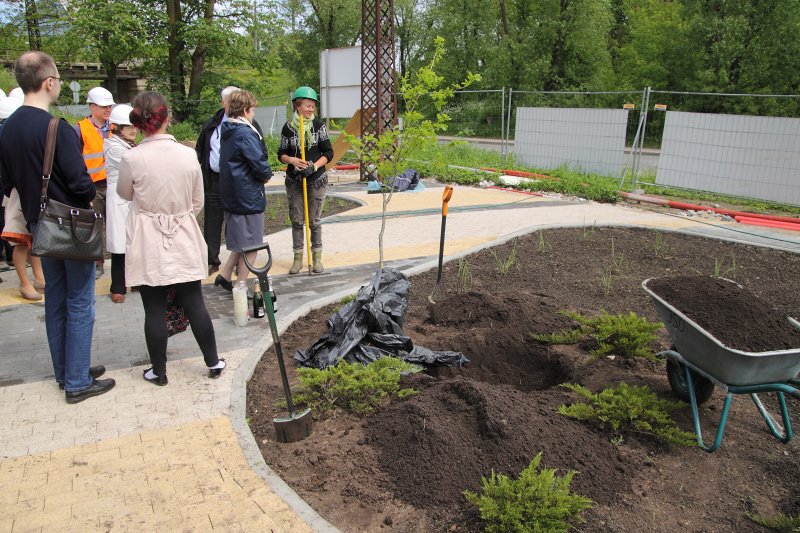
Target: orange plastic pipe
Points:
x,y
514,190
732,213
695,207
768,223
520,173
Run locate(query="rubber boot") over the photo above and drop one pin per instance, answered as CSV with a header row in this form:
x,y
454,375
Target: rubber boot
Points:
x,y
297,265
316,258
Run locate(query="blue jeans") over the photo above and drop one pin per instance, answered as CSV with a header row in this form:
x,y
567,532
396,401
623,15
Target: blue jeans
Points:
x,y
69,319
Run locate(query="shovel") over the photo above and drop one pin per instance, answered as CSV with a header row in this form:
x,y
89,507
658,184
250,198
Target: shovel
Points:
x,y
297,426
302,141
446,195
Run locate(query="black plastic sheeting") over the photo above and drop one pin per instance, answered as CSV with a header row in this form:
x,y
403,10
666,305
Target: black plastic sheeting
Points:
x,y
371,327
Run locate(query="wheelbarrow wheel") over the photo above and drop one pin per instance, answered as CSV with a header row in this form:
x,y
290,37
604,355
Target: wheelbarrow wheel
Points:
x,y
703,387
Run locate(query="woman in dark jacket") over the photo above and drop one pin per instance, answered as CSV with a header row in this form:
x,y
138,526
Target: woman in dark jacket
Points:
x,y
243,171
318,152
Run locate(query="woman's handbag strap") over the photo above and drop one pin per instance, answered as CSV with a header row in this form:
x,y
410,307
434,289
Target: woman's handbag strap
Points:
x,y
49,152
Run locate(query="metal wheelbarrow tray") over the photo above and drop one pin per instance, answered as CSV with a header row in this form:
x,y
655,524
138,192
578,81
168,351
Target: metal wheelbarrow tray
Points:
x,y
699,361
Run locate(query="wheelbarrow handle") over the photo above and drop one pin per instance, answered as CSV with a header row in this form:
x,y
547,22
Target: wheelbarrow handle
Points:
x,y
255,248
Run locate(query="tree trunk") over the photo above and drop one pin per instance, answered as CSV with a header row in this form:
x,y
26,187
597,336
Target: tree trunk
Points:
x,y
558,57
110,66
176,45
513,75
199,57
32,22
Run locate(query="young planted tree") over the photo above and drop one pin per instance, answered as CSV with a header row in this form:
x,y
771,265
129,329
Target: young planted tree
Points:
x,y
390,151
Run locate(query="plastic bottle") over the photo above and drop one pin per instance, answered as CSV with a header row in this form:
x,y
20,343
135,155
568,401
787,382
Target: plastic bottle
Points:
x,y
258,301
240,307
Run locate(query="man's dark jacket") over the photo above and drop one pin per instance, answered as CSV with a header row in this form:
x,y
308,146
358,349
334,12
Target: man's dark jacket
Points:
x,y
22,143
203,146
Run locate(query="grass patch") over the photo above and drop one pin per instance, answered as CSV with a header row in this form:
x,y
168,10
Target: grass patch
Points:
x,y
722,270
607,280
461,153
505,265
660,246
537,501
464,276
276,215
647,183
567,336
629,410
782,522
346,300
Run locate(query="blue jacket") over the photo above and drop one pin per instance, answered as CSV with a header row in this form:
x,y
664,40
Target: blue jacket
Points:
x,y
243,170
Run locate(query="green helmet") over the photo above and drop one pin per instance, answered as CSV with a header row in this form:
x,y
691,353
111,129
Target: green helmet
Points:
x,y
304,92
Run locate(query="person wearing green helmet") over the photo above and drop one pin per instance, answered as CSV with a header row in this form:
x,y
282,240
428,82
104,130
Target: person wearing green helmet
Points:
x,y
318,151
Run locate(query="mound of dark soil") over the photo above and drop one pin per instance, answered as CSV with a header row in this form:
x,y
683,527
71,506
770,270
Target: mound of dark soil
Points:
x,y
443,440
732,314
404,468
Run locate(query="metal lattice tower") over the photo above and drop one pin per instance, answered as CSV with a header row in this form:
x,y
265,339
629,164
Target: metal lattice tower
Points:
x,y
378,83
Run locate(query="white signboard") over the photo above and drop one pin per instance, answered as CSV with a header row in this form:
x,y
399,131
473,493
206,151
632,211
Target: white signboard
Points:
x,y
340,81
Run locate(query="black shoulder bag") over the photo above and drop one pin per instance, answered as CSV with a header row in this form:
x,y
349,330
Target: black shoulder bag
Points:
x,y
65,232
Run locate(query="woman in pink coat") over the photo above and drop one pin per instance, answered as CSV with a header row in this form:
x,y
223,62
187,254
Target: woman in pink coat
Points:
x,y
165,246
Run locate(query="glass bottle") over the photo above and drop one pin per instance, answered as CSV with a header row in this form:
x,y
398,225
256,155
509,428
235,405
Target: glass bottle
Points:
x,y
258,301
272,295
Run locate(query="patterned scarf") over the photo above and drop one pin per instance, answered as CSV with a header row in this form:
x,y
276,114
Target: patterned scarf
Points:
x,y
307,123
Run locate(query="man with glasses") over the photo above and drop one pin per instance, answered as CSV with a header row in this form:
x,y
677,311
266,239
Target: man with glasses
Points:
x,y
69,289
92,130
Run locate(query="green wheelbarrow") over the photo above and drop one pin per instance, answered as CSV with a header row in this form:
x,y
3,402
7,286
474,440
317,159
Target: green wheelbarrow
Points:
x,y
698,362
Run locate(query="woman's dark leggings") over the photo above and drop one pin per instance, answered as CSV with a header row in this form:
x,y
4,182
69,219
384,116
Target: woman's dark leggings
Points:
x,y
118,274
190,296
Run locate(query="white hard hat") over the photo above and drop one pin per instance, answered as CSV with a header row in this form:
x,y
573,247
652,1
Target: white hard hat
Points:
x,y
2,93
8,106
121,115
100,96
17,93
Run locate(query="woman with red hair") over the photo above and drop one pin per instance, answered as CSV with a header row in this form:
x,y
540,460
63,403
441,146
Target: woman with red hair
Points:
x,y
165,246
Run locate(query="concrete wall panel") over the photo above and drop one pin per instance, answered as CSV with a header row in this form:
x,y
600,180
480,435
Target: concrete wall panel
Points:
x,y
740,155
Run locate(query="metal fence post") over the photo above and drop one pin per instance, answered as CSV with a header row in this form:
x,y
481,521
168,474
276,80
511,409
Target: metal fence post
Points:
x,y
503,125
645,107
508,121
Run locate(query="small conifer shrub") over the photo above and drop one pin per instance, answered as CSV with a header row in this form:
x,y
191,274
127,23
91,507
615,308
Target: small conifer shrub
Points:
x,y
626,410
625,334
538,500
353,387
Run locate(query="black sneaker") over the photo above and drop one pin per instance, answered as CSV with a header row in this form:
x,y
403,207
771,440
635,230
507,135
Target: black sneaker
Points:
x,y
98,387
94,373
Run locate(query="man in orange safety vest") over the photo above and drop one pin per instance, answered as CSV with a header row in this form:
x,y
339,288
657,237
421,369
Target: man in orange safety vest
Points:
x,y
91,132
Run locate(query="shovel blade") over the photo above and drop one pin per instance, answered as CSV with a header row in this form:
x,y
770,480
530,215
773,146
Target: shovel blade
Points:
x,y
293,428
